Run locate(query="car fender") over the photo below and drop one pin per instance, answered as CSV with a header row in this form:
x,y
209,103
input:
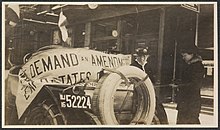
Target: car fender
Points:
x,y
28,90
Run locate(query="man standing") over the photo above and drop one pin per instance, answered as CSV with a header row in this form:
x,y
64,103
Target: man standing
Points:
x,y
188,96
141,61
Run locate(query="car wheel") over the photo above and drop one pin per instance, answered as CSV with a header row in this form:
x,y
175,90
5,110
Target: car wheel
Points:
x,y
43,113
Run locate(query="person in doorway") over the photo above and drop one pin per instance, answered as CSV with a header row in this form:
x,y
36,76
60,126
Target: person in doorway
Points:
x,y
142,61
188,95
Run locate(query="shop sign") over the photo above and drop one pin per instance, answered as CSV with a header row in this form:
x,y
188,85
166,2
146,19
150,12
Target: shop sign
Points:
x,y
193,7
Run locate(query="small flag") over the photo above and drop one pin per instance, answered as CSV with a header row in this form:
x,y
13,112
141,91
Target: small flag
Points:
x,y
15,8
62,25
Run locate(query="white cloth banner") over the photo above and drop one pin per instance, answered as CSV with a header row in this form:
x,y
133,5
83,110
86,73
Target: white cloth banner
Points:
x,y
62,66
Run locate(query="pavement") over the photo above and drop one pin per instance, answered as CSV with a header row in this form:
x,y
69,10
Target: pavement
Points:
x,y
206,119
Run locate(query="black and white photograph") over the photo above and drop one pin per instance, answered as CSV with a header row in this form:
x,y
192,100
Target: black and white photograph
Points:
x,y
109,64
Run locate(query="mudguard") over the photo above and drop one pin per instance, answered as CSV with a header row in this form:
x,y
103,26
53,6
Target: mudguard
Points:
x,y
28,90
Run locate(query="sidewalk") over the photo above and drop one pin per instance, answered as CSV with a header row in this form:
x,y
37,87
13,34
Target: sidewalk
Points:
x,y
205,119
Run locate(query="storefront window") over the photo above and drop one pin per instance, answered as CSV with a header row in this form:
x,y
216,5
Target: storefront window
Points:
x,y
140,31
105,35
79,35
128,33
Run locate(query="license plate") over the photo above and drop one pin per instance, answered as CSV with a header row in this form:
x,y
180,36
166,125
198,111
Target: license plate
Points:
x,y
75,101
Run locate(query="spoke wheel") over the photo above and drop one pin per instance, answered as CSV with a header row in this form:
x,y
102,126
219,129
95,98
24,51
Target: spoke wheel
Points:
x,y
44,113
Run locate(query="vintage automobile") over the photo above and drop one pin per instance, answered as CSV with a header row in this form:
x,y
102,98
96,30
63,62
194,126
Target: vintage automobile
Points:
x,y
72,86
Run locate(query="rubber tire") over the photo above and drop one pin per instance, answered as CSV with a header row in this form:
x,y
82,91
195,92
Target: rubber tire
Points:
x,y
43,111
102,100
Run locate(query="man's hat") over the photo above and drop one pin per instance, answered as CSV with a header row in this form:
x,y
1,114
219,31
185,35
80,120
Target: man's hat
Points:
x,y
189,49
141,51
